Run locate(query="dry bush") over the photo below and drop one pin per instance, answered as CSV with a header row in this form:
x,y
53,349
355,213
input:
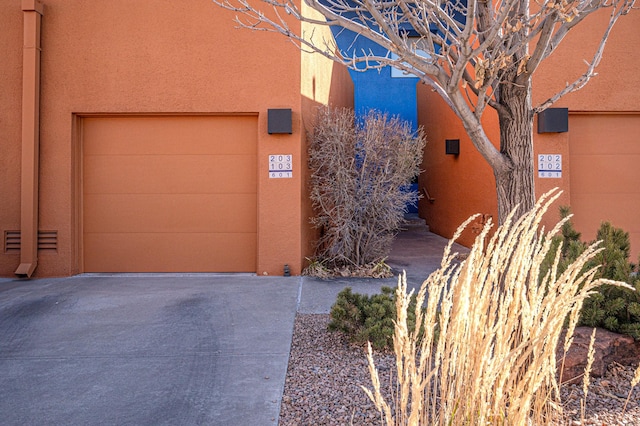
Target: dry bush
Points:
x,y
358,170
494,361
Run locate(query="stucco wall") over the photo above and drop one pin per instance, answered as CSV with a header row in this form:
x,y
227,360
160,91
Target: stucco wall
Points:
x,y
156,57
465,185
10,120
459,185
613,88
323,82
612,91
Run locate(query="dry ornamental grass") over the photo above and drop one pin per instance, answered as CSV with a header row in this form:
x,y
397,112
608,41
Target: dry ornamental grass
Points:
x,y
326,371
499,321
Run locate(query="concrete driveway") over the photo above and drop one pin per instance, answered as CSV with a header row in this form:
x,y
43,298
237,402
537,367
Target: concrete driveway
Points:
x,y
145,349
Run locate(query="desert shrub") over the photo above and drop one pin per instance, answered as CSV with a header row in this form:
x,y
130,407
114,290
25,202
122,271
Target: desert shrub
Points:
x,y
567,241
614,308
499,324
366,318
318,269
357,170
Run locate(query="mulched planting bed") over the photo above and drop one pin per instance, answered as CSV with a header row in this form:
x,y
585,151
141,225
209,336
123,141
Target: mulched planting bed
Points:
x,y
326,372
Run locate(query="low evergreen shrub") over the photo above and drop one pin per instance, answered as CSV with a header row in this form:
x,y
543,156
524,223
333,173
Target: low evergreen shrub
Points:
x,y
366,318
614,308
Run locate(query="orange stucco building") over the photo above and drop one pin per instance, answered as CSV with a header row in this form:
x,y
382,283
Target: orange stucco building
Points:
x,y
148,147
598,155
136,138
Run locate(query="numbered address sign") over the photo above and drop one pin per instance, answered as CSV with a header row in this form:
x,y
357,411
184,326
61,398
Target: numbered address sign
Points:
x,y
549,165
280,166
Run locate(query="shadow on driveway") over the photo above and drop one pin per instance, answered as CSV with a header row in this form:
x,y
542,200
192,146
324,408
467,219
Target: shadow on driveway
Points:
x,y
145,350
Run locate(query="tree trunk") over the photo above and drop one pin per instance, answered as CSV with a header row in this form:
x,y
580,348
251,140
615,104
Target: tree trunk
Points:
x,y
515,186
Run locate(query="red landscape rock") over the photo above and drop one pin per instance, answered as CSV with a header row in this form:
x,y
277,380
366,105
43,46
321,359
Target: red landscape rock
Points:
x,y
609,347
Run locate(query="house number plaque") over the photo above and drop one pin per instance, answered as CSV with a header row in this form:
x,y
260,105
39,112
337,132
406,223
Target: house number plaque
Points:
x,y
549,165
280,166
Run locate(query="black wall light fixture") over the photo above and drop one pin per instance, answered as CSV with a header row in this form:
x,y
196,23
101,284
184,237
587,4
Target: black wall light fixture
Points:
x,y
279,121
452,146
553,120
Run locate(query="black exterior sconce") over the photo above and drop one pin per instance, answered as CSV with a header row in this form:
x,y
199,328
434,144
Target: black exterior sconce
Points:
x,y
279,121
452,146
553,120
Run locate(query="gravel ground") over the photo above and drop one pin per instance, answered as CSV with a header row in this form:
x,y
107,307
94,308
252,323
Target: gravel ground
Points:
x,y
325,373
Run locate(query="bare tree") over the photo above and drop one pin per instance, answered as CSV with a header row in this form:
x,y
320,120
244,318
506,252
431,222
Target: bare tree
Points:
x,y
474,53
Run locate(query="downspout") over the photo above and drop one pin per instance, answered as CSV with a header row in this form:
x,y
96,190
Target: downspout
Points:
x,y
30,138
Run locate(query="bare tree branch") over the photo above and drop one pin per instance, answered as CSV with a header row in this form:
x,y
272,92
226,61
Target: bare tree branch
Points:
x,y
483,35
474,53
579,83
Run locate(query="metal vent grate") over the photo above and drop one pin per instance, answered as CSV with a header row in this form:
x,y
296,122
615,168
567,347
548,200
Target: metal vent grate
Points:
x,y
47,241
11,242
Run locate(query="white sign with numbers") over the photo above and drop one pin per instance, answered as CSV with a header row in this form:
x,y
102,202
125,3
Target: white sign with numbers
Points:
x,y
549,165
280,166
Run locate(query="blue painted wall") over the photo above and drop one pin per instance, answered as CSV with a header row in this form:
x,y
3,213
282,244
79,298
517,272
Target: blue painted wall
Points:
x,y
377,89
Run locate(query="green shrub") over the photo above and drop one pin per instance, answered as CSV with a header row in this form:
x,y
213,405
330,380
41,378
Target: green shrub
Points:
x,y
613,308
366,318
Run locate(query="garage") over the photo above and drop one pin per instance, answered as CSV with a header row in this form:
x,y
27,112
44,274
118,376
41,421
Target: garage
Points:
x,y
169,193
605,173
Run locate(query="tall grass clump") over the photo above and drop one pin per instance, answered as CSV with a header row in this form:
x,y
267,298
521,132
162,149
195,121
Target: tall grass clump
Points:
x,y
499,323
614,308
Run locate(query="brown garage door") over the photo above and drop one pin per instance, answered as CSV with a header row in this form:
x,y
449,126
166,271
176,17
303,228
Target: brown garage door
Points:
x,y
169,194
605,173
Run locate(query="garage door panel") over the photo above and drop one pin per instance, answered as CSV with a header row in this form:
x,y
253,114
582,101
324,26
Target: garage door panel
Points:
x,y
594,174
171,252
600,206
166,135
170,213
139,174
604,134
169,194
604,156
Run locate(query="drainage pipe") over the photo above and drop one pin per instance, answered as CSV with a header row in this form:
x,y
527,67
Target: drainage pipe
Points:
x,y
30,137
